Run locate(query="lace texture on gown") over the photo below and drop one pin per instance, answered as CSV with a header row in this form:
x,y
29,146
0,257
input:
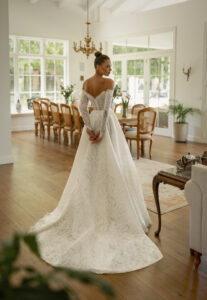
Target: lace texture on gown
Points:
x,y
100,221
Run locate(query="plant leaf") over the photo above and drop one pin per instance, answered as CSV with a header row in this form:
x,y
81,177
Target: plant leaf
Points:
x,y
38,293
30,240
88,278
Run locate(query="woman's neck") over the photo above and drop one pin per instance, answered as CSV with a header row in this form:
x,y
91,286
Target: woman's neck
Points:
x,y
97,75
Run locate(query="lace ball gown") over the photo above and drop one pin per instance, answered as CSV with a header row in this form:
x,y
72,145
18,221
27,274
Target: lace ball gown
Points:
x,y
101,219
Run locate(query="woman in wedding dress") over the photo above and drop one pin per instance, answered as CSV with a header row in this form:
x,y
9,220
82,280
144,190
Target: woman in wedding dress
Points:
x,y
101,220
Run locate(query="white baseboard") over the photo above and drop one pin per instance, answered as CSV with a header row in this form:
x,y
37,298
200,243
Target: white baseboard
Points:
x,y
23,128
6,160
197,139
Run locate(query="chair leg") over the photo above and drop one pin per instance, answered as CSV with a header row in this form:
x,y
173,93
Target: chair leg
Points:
x,y
71,137
43,131
130,141
65,136
41,128
142,148
150,149
137,148
36,128
59,137
48,132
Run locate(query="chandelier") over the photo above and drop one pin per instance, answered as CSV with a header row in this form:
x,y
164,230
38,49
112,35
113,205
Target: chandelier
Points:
x,y
89,46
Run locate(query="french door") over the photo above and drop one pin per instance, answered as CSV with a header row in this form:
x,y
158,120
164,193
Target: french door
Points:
x,y
149,80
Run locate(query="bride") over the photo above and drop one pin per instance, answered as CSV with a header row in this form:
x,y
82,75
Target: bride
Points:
x,y
101,220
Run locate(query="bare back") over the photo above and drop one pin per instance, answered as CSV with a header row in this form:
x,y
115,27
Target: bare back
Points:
x,y
96,85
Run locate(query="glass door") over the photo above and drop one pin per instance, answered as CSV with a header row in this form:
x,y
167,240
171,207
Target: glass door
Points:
x,y
148,80
159,91
135,80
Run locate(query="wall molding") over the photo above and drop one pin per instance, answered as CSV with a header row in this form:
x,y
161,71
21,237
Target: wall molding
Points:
x,y
22,128
197,139
6,160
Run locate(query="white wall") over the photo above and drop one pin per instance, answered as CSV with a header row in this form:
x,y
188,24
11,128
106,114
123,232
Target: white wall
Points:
x,y
44,19
189,19
5,134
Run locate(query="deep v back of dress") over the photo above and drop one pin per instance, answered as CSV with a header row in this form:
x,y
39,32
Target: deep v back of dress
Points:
x,y
100,221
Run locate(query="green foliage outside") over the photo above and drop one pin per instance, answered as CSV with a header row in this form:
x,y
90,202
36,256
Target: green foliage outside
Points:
x,y
35,285
11,45
54,48
135,67
118,49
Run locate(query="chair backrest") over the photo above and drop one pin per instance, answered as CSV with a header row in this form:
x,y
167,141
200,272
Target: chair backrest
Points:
x,y
146,120
118,108
45,110
66,113
43,99
55,113
136,108
76,118
36,109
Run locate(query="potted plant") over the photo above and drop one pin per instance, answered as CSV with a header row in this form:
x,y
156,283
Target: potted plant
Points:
x,y
32,284
180,125
67,92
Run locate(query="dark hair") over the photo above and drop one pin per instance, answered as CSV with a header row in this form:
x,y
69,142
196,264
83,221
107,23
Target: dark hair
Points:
x,y
100,58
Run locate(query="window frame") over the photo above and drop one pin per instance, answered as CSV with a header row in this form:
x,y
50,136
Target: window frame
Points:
x,y
43,57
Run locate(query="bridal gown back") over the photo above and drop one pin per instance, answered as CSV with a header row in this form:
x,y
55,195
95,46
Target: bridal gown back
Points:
x,y
101,218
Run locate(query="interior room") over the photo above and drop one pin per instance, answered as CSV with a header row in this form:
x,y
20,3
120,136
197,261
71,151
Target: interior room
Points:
x,y
103,121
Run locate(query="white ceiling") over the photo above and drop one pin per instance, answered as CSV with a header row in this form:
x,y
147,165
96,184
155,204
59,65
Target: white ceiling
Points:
x,y
114,6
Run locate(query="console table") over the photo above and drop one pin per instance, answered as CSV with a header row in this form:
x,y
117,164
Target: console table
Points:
x,y
172,176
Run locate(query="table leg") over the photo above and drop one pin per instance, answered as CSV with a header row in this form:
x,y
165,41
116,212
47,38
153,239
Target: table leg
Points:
x,y
156,183
197,259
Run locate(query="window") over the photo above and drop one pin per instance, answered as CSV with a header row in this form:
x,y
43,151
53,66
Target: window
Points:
x,y
143,66
37,69
135,80
161,41
117,72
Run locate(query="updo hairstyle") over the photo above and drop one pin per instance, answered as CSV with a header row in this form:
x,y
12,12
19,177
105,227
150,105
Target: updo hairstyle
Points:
x,y
100,58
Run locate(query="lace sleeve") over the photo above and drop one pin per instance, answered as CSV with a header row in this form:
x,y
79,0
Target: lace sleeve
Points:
x,y
84,111
107,105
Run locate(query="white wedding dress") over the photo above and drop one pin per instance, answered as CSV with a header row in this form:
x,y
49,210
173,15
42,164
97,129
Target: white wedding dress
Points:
x,y
101,219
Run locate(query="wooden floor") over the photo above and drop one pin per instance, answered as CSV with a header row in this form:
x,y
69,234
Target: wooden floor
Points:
x,y
32,186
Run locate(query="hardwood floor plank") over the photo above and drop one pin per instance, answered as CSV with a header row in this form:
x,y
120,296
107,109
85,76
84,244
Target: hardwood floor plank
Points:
x,y
33,185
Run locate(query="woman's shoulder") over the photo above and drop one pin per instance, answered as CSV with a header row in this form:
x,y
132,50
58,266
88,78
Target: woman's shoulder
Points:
x,y
109,83
86,82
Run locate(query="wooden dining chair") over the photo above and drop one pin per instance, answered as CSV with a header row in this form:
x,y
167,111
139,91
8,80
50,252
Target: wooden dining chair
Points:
x,y
44,99
146,120
46,119
67,122
37,116
136,108
77,123
118,108
134,111
56,121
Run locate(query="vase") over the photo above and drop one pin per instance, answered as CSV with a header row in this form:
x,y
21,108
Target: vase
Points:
x,y
67,100
180,132
18,106
124,112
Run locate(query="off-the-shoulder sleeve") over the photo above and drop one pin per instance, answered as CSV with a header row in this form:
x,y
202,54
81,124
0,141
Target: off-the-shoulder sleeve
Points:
x,y
107,105
84,110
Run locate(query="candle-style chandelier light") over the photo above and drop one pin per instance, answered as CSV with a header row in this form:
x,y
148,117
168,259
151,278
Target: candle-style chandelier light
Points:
x,y
89,46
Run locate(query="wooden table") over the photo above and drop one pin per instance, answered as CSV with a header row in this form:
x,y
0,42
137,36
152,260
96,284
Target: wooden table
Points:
x,y
129,120
170,176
